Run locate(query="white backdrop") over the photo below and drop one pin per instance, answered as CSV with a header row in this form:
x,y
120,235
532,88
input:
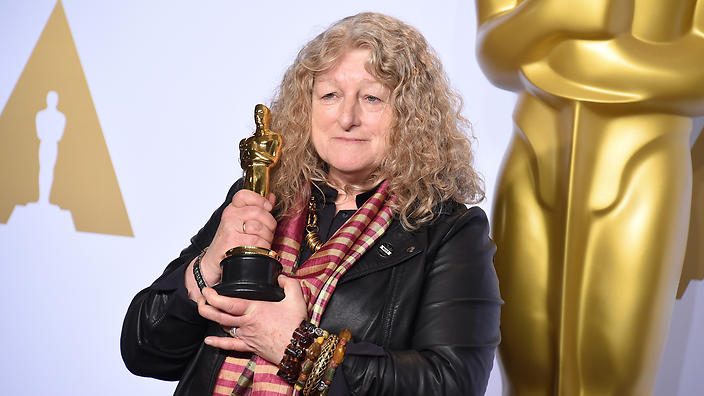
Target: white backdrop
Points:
x,y
174,85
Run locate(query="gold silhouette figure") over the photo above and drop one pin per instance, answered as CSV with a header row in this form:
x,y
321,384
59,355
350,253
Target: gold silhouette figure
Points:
x,y
260,152
593,203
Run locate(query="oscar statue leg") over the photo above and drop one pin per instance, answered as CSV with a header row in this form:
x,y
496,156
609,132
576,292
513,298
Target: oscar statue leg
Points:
x,y
528,232
628,213
693,267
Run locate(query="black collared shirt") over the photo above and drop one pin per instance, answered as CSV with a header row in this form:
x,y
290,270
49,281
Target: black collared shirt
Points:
x,y
328,221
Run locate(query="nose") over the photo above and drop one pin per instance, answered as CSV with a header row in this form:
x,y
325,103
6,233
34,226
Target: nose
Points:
x,y
349,116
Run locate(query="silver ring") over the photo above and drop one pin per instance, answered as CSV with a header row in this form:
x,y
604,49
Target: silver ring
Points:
x,y
233,332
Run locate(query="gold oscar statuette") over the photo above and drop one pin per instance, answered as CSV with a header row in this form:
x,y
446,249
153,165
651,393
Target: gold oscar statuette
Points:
x,y
249,271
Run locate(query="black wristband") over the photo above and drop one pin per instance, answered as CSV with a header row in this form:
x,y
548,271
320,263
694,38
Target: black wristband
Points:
x,y
196,271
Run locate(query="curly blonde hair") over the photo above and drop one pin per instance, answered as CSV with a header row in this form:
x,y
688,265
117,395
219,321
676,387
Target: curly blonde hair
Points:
x,y
429,157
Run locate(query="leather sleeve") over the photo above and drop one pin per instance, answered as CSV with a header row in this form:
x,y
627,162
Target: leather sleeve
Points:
x,y
456,329
162,330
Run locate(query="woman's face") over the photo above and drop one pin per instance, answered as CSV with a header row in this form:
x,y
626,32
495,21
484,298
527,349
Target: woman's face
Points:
x,y
351,116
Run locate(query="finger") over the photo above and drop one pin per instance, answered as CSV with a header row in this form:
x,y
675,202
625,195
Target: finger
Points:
x,y
232,216
231,330
250,198
218,316
255,214
228,343
292,288
272,198
256,227
233,219
255,240
232,306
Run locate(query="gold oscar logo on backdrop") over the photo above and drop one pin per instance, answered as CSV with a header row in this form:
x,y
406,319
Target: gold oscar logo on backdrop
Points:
x,y
51,104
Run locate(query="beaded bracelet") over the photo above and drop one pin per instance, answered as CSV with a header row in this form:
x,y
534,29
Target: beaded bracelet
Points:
x,y
312,357
321,364
337,357
196,271
302,338
312,354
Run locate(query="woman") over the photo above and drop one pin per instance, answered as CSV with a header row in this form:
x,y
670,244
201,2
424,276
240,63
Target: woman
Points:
x,y
372,134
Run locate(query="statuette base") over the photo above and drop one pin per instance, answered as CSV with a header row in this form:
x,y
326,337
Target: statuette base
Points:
x,y
250,275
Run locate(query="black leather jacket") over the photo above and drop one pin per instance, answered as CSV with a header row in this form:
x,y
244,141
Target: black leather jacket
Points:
x,y
424,319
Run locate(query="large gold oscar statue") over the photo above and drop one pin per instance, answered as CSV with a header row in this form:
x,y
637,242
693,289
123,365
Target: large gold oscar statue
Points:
x,y
593,203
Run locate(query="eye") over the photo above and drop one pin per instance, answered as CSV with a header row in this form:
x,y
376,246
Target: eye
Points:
x,y
372,99
329,95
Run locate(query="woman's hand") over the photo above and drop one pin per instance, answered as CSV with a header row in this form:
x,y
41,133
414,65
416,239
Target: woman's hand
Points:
x,y
263,327
246,221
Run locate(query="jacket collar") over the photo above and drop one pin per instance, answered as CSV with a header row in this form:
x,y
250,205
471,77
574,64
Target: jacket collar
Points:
x,y
395,247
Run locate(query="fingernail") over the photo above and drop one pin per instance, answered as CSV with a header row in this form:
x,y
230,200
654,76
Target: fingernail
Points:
x,y
268,206
208,341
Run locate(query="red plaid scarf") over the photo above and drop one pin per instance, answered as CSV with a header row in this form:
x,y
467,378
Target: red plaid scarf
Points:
x,y
318,277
